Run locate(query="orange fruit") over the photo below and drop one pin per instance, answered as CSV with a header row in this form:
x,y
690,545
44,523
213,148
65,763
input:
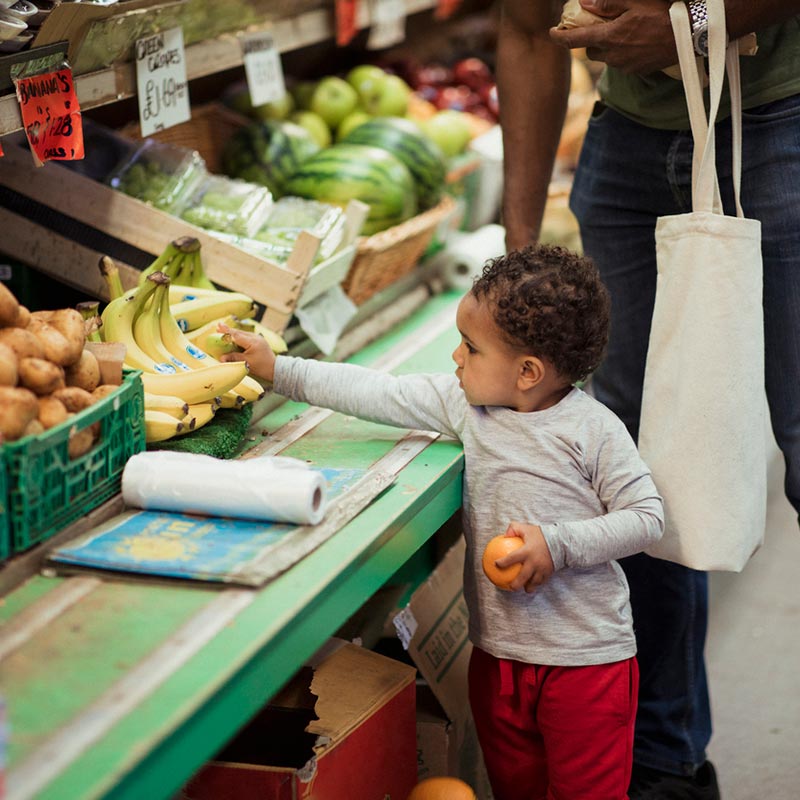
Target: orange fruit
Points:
x,y
499,547
442,789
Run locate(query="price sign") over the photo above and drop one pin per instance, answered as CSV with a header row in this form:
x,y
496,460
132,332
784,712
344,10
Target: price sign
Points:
x,y
51,116
346,26
263,68
161,81
387,23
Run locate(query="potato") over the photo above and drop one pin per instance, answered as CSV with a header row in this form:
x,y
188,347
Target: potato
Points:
x,y
18,407
8,366
54,344
104,390
40,376
23,317
52,412
74,398
33,428
80,442
22,342
9,306
84,373
69,322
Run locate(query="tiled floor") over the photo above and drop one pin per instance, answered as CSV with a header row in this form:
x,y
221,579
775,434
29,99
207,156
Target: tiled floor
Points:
x,y
753,657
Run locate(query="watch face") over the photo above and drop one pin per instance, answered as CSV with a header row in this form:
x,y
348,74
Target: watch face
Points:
x,y
702,42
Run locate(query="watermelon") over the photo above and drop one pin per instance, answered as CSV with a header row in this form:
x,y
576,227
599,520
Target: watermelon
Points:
x,y
358,172
404,139
267,153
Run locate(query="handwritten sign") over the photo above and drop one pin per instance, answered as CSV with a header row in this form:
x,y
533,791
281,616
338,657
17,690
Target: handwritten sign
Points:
x,y
161,81
262,68
51,116
388,24
346,26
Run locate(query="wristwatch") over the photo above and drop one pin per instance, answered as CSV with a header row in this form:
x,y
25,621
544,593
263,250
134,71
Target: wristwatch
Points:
x,y
699,17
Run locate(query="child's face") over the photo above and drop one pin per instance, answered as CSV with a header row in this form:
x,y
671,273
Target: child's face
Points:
x,y
486,365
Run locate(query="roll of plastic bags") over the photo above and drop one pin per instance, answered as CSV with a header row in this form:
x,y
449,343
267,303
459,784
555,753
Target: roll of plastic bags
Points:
x,y
270,488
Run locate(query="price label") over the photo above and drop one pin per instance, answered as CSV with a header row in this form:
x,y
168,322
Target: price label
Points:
x,y
161,81
263,68
387,24
51,116
346,26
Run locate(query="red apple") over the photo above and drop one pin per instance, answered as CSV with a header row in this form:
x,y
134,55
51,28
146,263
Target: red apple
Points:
x,y
472,72
493,102
432,75
429,93
455,97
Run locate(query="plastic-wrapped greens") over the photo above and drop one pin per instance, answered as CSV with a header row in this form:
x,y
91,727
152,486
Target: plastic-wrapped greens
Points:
x,y
228,205
164,175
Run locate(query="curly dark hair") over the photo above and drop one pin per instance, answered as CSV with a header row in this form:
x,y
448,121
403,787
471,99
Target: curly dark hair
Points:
x,y
550,302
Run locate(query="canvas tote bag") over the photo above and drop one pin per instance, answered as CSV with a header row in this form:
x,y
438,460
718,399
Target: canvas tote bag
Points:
x,y
703,421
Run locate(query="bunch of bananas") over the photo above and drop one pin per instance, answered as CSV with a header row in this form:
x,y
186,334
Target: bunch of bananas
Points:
x,y
184,383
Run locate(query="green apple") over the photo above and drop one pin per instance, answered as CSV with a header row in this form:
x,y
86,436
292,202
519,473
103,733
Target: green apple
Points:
x,y
314,124
364,73
449,129
301,92
351,122
333,99
387,97
277,109
240,101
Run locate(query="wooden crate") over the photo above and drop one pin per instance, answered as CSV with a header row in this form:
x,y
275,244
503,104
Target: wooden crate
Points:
x,y
207,132
62,223
385,257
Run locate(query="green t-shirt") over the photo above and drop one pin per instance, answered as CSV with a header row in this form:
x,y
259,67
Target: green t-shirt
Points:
x,y
658,101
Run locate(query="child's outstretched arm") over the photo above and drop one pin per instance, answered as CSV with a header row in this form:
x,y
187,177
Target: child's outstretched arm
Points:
x,y
255,351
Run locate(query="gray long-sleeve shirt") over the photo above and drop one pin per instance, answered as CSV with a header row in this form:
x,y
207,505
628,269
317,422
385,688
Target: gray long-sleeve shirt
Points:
x,y
572,469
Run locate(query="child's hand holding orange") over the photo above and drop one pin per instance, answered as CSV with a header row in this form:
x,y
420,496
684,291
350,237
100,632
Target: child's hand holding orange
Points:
x,y
518,559
256,352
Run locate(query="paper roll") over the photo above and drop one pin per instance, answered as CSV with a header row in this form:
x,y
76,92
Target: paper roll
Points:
x,y
271,488
463,258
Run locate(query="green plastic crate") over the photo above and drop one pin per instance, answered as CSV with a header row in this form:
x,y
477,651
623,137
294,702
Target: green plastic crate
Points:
x,y
48,490
5,543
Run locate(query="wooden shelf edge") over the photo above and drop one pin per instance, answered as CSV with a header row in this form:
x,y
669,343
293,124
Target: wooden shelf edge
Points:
x,y
203,58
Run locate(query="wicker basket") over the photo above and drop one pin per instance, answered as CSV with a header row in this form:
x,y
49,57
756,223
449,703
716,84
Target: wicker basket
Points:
x,y
385,257
209,129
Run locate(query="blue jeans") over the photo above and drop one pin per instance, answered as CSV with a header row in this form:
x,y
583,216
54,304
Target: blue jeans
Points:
x,y
628,176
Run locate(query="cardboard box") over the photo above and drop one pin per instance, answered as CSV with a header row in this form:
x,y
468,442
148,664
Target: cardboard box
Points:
x,y
342,729
433,629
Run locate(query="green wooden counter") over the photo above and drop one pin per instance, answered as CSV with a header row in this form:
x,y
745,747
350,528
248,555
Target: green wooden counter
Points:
x,y
133,684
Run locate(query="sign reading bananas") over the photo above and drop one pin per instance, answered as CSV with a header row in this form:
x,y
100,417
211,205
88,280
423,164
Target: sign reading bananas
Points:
x,y
51,116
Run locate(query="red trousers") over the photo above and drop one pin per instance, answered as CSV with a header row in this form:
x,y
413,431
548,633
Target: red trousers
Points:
x,y
554,733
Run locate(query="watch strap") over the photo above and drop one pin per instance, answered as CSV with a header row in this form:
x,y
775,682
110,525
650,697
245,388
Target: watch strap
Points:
x,y
698,14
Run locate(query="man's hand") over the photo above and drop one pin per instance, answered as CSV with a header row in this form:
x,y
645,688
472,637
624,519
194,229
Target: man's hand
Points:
x,y
537,564
636,38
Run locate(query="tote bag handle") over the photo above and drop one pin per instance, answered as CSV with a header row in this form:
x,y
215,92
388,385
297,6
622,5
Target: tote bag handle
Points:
x,y
721,56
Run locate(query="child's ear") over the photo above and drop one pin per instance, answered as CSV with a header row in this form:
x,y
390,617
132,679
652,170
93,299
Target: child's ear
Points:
x,y
531,372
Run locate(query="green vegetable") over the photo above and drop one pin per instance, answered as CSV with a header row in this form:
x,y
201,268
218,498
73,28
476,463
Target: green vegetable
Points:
x,y
405,140
354,171
268,153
